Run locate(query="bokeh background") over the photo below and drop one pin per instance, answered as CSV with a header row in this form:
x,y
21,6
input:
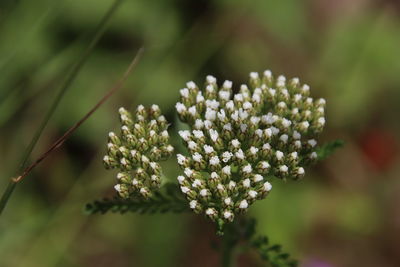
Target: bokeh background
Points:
x,y
346,212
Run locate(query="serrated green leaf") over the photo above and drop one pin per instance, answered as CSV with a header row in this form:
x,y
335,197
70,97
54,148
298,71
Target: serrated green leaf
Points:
x,y
328,149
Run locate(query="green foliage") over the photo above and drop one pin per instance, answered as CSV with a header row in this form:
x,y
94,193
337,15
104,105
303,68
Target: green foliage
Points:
x,y
244,229
328,149
272,254
168,200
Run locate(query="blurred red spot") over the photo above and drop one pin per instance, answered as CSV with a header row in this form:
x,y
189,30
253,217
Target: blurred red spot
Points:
x,y
380,148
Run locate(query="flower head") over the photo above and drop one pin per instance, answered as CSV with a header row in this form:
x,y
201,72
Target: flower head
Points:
x,y
267,129
137,149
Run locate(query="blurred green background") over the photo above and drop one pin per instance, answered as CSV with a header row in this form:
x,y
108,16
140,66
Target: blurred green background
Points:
x,y
344,213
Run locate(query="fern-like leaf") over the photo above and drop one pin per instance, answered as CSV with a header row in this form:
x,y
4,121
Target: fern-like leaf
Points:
x,y
329,148
272,254
168,200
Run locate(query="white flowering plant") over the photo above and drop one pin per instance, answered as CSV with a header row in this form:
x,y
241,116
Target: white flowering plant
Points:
x,y
236,142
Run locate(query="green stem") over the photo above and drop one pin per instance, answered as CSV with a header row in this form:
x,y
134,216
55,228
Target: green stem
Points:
x,y
229,241
6,195
66,85
227,253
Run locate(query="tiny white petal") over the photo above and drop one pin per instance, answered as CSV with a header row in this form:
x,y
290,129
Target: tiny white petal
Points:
x,y
199,97
191,85
192,110
211,79
214,160
267,186
193,204
235,143
312,142
185,189
210,211
198,134
246,183
247,168
258,178
268,74
284,138
296,135
117,188
208,149
253,150
253,194
180,108
224,95
227,170
243,204
203,192
239,154
184,92
283,168
279,155
199,124
227,214
227,84
181,179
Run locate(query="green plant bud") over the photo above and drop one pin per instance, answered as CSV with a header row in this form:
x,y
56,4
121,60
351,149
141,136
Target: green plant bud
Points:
x,y
109,162
212,213
155,111
205,194
123,190
191,195
213,180
145,192
124,177
130,140
298,172
125,164
155,154
125,117
228,215
145,161
155,168
162,122
254,80
135,156
164,137
143,145
263,167
196,206
112,150
136,184
166,152
141,174
155,181
153,125
125,131
123,152
138,130
221,191
141,112
113,138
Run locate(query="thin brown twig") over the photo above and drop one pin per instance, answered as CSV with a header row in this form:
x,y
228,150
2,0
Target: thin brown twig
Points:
x,y
65,136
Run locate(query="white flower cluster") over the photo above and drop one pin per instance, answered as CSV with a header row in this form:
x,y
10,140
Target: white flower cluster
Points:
x,y
142,143
236,141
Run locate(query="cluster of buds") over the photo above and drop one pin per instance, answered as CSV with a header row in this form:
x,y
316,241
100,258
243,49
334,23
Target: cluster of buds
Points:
x,y
143,142
239,141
